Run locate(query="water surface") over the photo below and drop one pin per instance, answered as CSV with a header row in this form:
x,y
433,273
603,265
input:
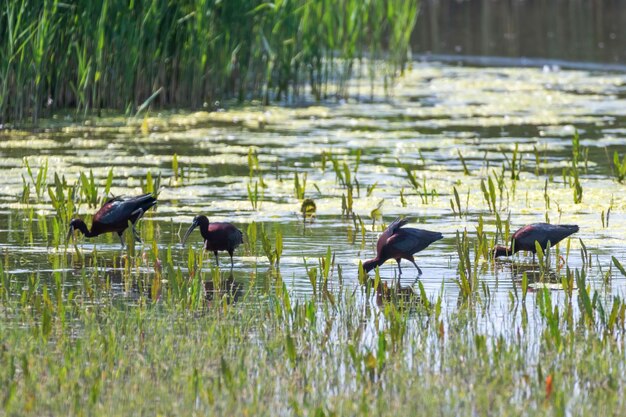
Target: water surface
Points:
x,y
437,113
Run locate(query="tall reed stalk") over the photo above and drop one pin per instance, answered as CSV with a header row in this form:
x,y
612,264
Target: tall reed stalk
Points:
x,y
115,54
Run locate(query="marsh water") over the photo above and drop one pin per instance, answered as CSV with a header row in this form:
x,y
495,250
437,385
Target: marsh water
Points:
x,y
580,31
440,122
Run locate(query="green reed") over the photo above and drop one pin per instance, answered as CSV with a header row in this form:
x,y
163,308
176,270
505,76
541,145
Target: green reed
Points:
x,y
619,167
465,169
38,180
299,185
151,185
56,337
57,55
456,209
273,253
578,152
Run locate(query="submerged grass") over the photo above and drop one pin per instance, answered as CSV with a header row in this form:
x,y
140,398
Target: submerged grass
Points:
x,y
113,54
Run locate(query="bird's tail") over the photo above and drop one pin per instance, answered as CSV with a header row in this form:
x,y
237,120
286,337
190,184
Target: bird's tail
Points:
x,y
572,228
146,201
436,236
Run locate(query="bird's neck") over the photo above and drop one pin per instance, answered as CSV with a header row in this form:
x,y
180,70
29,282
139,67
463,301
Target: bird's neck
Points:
x,y
371,264
204,231
503,251
84,230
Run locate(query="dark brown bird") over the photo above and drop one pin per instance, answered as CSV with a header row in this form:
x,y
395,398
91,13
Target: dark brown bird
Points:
x,y
114,216
525,238
399,243
217,236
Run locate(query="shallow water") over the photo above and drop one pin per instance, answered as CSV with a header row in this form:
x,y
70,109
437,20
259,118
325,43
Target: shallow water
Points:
x,y
437,111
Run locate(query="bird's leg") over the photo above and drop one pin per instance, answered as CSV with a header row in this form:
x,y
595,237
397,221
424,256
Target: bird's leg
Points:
x,y
217,261
139,212
230,252
419,271
417,278
399,271
120,234
136,235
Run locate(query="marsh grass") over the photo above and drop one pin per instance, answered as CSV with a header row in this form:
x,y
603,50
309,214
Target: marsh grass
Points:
x,y
77,351
88,56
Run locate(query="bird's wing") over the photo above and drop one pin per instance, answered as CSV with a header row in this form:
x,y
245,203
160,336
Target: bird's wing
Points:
x,y
542,233
396,224
111,212
409,240
113,198
118,210
526,237
389,232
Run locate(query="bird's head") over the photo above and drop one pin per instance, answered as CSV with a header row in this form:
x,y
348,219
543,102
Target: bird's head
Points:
x,y
369,265
201,221
77,224
501,251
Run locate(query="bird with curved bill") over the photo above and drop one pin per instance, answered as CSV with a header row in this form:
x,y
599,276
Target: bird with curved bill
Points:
x,y
543,233
398,242
217,236
114,215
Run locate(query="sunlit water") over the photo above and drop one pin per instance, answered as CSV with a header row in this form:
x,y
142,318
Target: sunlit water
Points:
x,y
435,113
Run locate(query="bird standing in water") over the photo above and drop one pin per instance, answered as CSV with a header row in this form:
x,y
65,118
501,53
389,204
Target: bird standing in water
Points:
x,y
399,243
217,236
114,216
543,233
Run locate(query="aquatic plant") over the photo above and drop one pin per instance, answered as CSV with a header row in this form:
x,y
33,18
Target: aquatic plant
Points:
x,y
299,185
465,169
619,167
273,253
467,276
177,170
577,152
38,180
151,185
456,210
489,193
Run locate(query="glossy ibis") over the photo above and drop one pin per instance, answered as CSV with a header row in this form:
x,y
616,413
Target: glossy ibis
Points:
x,y
114,216
525,238
399,243
217,236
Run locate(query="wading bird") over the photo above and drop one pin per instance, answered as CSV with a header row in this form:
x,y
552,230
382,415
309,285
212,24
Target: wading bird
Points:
x,y
399,243
217,236
114,216
525,238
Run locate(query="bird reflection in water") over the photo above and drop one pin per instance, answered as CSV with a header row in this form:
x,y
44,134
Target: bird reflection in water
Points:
x,y
396,294
227,289
534,272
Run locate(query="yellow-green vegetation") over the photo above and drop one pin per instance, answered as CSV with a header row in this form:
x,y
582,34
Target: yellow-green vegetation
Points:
x,y
221,351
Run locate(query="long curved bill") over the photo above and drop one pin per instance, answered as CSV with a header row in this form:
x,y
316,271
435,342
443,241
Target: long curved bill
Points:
x,y
193,226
